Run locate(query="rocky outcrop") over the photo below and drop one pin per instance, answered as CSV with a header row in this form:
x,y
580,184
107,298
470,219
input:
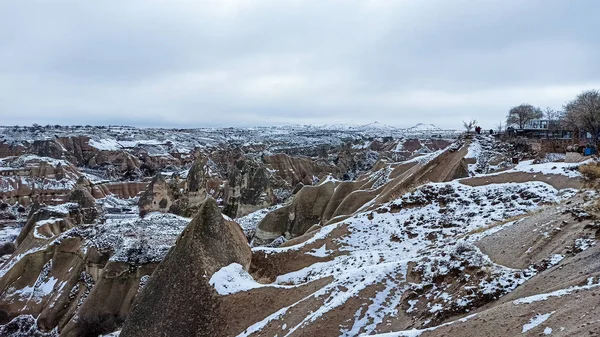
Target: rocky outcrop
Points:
x,y
82,279
28,179
313,205
298,169
202,180
116,164
125,189
248,189
157,197
9,150
192,308
306,209
98,191
82,197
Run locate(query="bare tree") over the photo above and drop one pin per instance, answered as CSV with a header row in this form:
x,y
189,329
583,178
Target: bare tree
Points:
x,y
553,117
520,115
469,125
584,113
551,114
499,127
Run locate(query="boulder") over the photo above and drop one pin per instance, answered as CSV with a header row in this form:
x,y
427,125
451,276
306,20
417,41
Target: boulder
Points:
x,y
190,306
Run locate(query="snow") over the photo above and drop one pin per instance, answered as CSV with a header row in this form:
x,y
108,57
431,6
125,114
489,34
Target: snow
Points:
x,y
41,223
419,332
105,144
555,259
474,150
9,233
112,334
29,160
535,321
63,208
423,127
567,169
132,240
548,331
380,244
320,252
261,324
424,158
47,287
250,221
231,279
557,293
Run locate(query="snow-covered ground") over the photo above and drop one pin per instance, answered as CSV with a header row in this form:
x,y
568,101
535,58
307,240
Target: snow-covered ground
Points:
x,y
161,141
426,228
483,149
250,221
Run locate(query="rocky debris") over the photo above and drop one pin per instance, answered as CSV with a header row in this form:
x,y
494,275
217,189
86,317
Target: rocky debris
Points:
x,y
578,213
157,197
192,308
488,154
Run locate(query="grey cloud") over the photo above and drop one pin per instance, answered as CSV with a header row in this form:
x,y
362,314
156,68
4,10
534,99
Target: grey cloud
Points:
x,y
241,62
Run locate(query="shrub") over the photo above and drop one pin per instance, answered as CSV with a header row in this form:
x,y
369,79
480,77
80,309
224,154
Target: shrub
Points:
x,y
591,174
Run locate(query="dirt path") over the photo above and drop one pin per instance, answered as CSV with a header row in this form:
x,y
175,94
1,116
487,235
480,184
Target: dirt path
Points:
x,y
558,181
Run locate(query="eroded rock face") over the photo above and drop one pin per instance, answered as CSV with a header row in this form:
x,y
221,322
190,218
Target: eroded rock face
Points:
x,y
116,164
339,199
248,189
157,197
28,179
8,150
293,220
192,307
298,169
82,197
81,279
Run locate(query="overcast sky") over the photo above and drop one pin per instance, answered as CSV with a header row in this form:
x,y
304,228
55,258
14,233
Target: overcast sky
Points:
x,y
197,63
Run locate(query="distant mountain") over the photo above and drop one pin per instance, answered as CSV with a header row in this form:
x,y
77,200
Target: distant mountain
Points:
x,y
422,127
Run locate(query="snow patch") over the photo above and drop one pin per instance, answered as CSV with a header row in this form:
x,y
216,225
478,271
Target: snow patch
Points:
x,y
535,321
320,252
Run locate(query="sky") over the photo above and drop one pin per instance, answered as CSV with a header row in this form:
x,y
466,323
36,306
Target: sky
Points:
x,y
191,63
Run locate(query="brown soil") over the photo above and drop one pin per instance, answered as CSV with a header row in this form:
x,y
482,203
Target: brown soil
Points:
x,y
558,181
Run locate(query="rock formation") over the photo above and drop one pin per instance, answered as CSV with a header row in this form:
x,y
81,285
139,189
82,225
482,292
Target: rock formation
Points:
x,y
248,189
157,197
305,210
334,199
190,307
